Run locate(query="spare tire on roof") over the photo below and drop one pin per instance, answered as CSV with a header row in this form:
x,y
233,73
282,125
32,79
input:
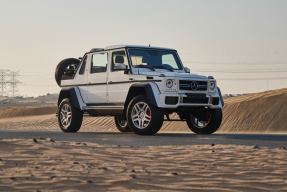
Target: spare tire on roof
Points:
x,y
62,65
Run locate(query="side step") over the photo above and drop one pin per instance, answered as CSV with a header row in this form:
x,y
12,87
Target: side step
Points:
x,y
103,107
104,110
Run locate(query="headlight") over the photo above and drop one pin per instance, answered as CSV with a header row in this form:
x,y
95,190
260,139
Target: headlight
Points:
x,y
212,85
169,83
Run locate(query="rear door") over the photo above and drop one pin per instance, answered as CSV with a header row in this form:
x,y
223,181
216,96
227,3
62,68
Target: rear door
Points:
x,y
97,78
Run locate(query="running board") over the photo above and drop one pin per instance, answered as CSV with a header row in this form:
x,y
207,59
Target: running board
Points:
x,y
104,110
103,107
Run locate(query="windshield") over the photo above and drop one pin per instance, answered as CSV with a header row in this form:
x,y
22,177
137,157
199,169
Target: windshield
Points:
x,y
153,59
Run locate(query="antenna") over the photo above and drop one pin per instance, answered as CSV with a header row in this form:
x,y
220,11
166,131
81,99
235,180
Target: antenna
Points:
x,y
149,45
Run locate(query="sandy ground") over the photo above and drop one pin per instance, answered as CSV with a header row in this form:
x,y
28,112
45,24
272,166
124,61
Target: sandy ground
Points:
x,y
50,123
67,166
264,112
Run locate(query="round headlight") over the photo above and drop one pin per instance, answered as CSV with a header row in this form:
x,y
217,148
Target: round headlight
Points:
x,y
212,85
169,83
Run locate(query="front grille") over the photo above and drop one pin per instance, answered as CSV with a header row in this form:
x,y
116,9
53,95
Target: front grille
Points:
x,y
193,85
193,100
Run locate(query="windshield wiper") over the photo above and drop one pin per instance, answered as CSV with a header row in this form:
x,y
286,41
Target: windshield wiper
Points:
x,y
163,67
145,66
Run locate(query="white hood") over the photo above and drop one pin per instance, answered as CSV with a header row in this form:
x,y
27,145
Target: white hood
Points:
x,y
171,74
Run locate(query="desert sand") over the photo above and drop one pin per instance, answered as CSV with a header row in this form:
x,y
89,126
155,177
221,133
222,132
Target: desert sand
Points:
x,y
264,112
26,165
69,166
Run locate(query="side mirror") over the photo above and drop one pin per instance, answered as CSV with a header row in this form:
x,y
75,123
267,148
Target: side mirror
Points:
x,y
120,66
126,71
187,69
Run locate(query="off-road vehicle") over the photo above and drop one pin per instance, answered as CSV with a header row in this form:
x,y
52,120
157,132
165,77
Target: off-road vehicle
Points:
x,y
139,86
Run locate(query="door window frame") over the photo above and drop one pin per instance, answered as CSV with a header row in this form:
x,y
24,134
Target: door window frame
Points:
x,y
91,59
82,62
111,59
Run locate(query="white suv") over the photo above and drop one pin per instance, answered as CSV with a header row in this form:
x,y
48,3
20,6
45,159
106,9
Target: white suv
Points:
x,y
139,86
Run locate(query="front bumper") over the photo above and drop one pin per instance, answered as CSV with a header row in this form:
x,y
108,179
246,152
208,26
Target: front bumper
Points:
x,y
168,100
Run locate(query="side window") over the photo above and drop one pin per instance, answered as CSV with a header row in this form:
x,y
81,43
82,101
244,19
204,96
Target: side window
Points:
x,y
99,63
83,67
119,57
168,59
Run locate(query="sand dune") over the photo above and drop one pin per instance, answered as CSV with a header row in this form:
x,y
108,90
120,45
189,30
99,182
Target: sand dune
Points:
x,y
27,111
258,112
70,166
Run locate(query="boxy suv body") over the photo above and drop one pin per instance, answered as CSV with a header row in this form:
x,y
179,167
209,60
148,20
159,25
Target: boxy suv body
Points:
x,y
139,86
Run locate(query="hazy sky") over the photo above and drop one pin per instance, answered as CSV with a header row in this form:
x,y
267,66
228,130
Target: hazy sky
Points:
x,y
243,44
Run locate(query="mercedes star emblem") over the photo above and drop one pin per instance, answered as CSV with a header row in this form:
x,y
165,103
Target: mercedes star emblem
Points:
x,y
193,85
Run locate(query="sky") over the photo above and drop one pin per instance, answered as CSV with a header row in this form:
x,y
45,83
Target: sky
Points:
x,y
243,44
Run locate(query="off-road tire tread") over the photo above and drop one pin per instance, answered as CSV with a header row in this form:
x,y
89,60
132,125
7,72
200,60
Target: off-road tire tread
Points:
x,y
214,124
122,129
77,117
157,117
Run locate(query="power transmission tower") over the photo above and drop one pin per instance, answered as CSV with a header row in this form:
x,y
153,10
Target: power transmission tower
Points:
x,y
13,82
3,82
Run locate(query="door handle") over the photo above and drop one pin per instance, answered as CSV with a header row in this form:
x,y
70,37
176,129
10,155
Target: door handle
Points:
x,y
110,82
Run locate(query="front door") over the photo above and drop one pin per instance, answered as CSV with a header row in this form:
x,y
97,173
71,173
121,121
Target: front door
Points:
x,y
118,82
97,80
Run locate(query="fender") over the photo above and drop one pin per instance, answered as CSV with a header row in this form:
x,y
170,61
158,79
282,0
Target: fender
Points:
x,y
221,99
73,94
148,89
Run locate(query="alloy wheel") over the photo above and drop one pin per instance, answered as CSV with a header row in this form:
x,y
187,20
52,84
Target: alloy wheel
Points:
x,y
66,115
122,122
141,115
201,123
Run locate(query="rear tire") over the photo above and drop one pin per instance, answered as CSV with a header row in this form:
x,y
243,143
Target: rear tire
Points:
x,y
122,125
69,118
213,123
143,117
61,66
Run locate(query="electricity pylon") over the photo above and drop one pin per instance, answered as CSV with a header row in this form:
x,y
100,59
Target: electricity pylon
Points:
x,y
3,82
13,82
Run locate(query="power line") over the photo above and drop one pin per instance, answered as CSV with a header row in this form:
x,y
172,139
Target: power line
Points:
x,y
235,63
282,71
251,79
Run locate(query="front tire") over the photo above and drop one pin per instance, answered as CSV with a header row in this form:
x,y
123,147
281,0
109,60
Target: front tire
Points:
x,y
143,117
69,118
207,125
122,125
